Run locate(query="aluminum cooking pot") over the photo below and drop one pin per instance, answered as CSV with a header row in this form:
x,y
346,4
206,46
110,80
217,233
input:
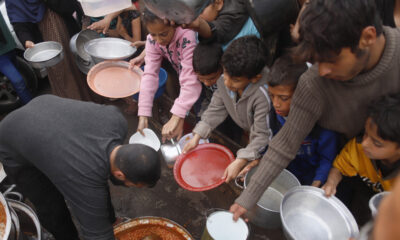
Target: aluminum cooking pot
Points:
x,y
266,212
270,16
22,208
179,11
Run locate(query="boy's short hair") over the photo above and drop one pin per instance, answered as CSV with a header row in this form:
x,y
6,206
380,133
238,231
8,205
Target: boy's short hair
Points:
x,y
207,58
139,163
285,71
245,56
327,26
385,113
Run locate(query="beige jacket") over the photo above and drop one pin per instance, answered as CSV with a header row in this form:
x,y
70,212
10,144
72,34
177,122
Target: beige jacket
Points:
x,y
250,113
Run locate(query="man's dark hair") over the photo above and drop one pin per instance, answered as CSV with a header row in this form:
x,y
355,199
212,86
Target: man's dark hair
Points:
x,y
245,57
139,163
285,71
385,113
207,58
149,17
327,26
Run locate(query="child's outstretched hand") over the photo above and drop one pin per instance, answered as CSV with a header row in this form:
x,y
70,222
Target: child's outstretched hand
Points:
x,y
173,128
329,188
137,61
316,183
248,167
191,144
232,171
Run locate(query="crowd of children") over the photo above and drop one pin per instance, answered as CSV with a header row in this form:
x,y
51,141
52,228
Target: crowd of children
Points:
x,y
296,117
308,111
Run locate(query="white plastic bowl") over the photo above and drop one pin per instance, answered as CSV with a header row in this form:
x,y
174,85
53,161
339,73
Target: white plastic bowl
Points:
x,y
150,139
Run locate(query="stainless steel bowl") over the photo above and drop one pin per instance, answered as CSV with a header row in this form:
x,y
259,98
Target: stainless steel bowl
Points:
x,y
44,54
180,11
266,212
82,38
101,49
375,201
306,213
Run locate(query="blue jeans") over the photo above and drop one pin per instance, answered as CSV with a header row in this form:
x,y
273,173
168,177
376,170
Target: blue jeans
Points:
x,y
10,71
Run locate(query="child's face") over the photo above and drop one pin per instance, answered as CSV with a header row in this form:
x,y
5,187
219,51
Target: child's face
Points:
x,y
238,84
281,96
160,32
210,13
377,148
210,79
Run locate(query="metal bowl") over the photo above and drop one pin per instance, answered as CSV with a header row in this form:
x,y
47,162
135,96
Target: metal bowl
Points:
x,y
306,213
44,54
82,38
180,11
266,212
170,152
375,201
101,49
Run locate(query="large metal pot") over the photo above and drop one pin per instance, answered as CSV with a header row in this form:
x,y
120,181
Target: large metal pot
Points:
x,y
16,210
179,11
266,212
82,38
132,226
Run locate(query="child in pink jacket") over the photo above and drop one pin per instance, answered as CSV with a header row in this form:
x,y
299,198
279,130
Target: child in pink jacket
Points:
x,y
176,45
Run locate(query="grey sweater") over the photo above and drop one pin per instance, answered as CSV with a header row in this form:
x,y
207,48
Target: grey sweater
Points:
x,y
250,112
335,105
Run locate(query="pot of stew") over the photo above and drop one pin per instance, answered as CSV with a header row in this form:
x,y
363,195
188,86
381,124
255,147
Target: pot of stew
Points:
x,y
151,228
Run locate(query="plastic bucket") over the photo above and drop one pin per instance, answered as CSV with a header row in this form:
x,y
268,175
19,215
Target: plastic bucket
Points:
x,y
162,79
220,226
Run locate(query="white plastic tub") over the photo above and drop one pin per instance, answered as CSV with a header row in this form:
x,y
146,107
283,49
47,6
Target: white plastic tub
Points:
x,y
98,8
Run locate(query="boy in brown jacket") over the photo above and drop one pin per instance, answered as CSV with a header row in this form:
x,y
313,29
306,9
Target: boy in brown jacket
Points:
x,y
242,94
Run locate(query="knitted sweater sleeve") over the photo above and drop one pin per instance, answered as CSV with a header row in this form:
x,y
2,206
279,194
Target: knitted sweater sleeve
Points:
x,y
305,110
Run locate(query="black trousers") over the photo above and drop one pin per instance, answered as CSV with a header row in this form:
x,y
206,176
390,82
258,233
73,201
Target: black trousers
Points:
x,y
48,201
355,194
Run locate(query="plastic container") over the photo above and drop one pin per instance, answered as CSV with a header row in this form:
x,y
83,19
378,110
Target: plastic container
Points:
x,y
163,76
150,139
99,8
